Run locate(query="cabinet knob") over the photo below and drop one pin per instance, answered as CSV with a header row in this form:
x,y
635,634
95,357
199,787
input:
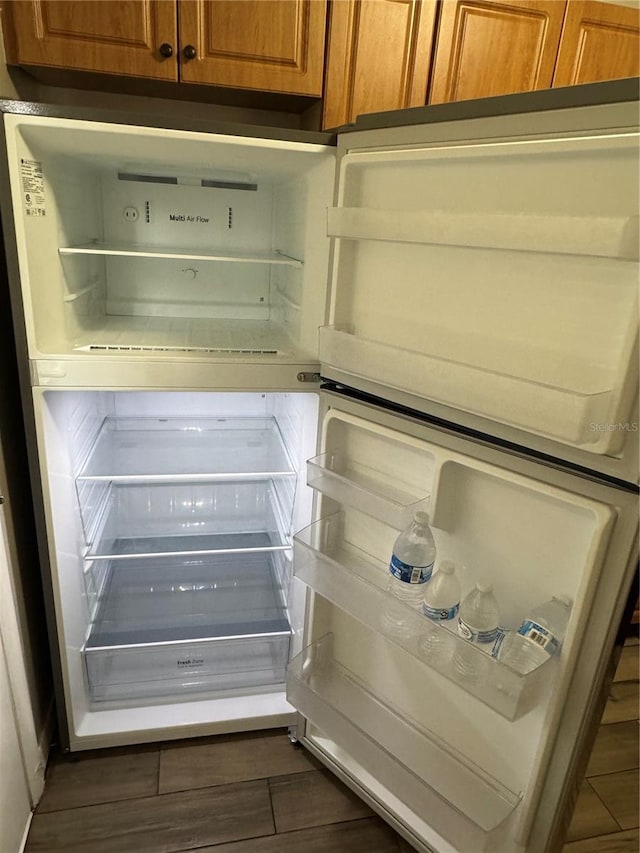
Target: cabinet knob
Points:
x,y
190,52
166,50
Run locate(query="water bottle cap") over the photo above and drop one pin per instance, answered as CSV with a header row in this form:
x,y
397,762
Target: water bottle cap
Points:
x,y
484,586
564,599
447,567
421,518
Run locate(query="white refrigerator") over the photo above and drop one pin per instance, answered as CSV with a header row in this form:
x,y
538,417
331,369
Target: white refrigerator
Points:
x,y
248,360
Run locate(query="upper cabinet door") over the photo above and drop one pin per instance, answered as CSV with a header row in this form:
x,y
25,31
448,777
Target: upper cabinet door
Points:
x,y
599,42
110,37
272,45
363,78
494,47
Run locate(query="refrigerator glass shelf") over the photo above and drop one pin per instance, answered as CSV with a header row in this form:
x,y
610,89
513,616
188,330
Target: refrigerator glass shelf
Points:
x,y
599,236
417,766
135,250
356,583
188,625
130,449
148,519
564,413
333,475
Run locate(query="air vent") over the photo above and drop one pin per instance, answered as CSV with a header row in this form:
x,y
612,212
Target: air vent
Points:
x,y
131,348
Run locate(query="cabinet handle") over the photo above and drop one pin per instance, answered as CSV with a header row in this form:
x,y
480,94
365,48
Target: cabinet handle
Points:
x,y
166,50
190,52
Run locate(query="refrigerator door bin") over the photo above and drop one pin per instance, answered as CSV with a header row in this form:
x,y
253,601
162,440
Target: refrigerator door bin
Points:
x,y
150,519
462,803
183,626
564,412
355,582
336,475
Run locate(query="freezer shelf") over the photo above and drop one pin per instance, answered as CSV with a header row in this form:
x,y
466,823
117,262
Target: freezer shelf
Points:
x,y
353,581
150,519
173,626
334,475
134,250
460,800
129,449
563,413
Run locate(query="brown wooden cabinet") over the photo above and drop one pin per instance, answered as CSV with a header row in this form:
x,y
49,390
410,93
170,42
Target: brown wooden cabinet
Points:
x,y
599,42
274,45
109,37
379,54
495,47
270,45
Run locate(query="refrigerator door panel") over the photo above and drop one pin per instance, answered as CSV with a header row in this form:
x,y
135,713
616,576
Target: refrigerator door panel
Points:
x,y
168,521
404,719
487,269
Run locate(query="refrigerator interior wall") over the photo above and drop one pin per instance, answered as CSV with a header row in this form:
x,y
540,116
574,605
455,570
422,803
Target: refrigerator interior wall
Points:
x,y
497,278
463,750
170,518
141,240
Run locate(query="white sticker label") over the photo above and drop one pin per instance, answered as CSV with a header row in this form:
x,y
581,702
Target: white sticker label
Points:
x,y
32,187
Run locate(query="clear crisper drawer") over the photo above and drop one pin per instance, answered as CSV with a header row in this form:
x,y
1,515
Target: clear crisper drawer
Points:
x,y
355,582
462,802
170,627
150,519
334,475
129,449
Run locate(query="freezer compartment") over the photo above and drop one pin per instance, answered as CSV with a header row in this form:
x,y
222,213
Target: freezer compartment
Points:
x,y
149,241
506,289
161,448
184,626
462,803
355,582
147,520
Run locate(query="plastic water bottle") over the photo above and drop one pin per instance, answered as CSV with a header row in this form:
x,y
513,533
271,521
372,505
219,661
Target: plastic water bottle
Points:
x,y
538,638
440,603
478,621
411,565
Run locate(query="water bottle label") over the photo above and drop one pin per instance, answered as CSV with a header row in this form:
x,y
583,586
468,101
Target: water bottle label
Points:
x,y
440,614
540,636
409,574
474,636
501,634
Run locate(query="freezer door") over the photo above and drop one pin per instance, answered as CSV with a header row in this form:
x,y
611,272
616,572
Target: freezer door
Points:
x,y
485,270
458,750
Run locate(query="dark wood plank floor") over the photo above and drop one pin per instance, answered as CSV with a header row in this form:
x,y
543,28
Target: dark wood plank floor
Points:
x,y
250,793
256,793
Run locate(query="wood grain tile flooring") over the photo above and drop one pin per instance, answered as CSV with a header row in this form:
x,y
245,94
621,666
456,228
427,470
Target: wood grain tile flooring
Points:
x,y
606,817
256,793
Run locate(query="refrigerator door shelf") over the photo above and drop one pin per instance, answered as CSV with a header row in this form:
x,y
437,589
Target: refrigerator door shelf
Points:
x,y
162,449
355,582
591,236
333,474
564,413
142,251
182,627
123,520
463,804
